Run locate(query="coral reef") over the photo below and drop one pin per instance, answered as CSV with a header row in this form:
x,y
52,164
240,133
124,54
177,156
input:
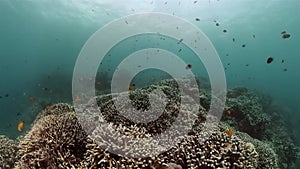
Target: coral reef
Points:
x,y
8,152
56,109
58,138
254,114
219,151
282,143
247,112
267,156
55,141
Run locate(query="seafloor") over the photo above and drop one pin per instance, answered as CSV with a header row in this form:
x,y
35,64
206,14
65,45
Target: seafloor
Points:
x,y
251,134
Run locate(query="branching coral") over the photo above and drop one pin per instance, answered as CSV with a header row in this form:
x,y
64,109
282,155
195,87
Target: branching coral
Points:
x,y
8,152
55,141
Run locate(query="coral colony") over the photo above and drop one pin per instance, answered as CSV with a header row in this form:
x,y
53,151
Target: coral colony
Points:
x,y
243,138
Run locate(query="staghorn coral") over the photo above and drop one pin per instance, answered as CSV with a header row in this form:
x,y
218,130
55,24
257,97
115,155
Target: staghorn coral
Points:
x,y
8,152
55,141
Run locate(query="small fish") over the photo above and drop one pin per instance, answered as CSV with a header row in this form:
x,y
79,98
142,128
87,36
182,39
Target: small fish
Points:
x,y
285,36
20,126
49,108
270,60
189,66
197,19
282,60
229,132
244,45
32,99
139,66
228,112
224,30
283,32
130,87
180,40
77,100
233,39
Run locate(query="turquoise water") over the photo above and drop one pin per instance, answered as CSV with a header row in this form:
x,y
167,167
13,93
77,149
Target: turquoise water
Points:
x,y
41,40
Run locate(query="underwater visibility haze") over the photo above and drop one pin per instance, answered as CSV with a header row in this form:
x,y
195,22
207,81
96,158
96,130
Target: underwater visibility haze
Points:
x,y
254,43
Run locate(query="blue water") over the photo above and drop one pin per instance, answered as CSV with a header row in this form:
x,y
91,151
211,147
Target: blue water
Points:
x,y
40,42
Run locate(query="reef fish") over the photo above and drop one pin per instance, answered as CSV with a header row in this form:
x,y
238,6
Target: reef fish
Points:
x,y
270,60
20,125
189,66
285,36
32,99
130,87
77,99
229,132
228,112
49,108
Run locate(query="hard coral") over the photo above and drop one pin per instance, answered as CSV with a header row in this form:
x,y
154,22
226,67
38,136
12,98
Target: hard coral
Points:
x,y
55,141
8,152
55,109
111,142
219,151
267,158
